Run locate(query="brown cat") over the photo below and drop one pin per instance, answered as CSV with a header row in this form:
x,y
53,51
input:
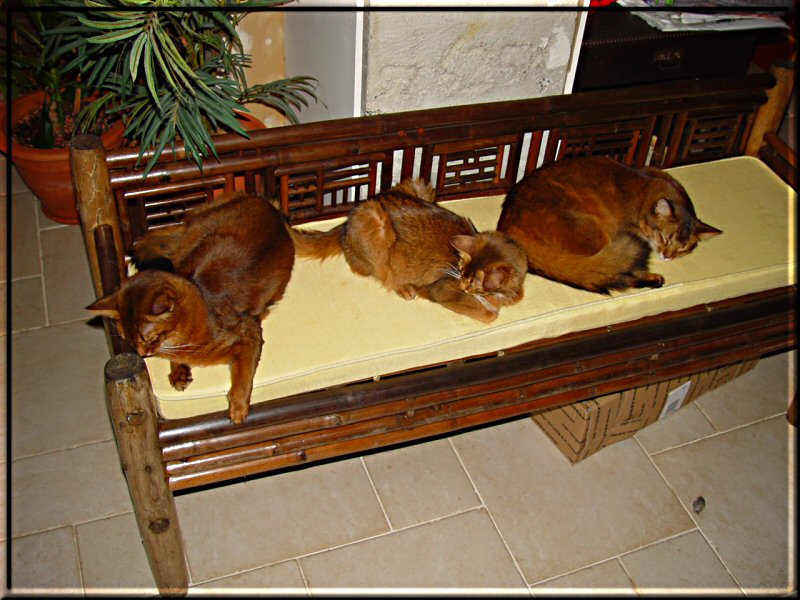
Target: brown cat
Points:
x,y
417,248
232,261
591,222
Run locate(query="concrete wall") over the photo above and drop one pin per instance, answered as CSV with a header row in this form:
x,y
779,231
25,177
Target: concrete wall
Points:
x,y
424,59
381,61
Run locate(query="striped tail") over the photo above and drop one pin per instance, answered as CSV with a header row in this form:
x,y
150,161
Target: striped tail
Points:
x,y
310,243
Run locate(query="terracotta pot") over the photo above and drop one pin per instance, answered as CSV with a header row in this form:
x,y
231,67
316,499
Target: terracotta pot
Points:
x,y
47,172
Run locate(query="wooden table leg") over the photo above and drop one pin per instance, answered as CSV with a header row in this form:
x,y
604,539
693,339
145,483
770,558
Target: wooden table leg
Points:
x,y
791,414
131,407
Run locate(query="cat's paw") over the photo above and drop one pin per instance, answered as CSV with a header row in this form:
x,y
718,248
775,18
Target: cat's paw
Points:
x,y
486,316
237,412
643,279
180,376
407,292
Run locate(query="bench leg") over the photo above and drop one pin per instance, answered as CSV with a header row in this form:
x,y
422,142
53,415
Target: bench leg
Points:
x,y
131,407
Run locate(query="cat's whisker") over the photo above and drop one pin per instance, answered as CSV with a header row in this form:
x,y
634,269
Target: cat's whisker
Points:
x,y
485,303
451,271
181,346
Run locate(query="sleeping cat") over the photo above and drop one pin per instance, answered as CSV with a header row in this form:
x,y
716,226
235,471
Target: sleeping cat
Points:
x,y
419,249
591,222
232,261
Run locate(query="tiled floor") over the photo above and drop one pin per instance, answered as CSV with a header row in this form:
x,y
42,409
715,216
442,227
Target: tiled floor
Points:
x,y
496,509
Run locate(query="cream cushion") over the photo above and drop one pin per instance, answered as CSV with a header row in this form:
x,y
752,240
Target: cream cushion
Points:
x,y
333,327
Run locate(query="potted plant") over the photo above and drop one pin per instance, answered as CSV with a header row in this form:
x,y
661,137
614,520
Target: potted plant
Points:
x,y
168,73
44,102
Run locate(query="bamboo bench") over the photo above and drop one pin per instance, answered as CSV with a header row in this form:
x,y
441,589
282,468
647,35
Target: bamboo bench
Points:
x,y
471,152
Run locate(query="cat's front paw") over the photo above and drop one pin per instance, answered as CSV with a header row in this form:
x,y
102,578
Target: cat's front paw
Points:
x,y
407,292
237,411
486,316
643,279
180,376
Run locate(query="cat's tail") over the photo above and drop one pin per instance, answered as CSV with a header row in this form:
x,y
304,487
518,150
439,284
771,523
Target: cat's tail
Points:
x,y
310,243
416,187
612,268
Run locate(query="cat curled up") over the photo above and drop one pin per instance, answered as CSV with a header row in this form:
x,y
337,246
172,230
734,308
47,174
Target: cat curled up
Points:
x,y
419,249
232,260
591,222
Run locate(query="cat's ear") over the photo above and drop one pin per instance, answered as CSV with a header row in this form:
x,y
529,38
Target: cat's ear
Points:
x,y
105,307
465,244
495,278
162,304
663,208
704,231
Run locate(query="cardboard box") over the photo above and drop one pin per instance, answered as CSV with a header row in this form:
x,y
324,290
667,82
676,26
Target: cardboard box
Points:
x,y
583,428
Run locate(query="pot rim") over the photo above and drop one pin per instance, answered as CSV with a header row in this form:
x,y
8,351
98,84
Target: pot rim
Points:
x,y
115,132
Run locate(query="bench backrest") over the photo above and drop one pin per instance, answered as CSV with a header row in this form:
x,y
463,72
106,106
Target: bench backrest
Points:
x,y
317,170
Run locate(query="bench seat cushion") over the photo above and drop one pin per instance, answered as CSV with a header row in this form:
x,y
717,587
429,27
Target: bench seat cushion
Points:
x,y
334,327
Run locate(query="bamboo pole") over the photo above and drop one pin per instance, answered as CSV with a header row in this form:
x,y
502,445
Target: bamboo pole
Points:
x,y
96,208
770,114
95,199
131,407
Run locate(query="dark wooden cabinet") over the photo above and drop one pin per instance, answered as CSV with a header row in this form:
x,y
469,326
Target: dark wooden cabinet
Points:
x,y
621,49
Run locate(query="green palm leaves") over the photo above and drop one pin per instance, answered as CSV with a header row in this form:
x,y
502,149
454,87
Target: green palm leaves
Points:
x,y
174,69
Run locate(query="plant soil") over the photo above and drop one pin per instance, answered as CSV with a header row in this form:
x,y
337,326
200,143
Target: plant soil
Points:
x,y
28,129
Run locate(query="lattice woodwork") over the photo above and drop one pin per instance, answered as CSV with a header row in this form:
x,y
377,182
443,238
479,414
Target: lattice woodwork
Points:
x,y
711,137
627,142
319,170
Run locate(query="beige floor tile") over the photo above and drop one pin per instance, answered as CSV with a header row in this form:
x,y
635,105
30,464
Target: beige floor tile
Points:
x,y
57,389
763,392
113,560
682,565
24,237
271,519
686,425
27,304
604,579
67,487
67,281
46,563
557,517
462,552
421,482
283,579
745,479
17,185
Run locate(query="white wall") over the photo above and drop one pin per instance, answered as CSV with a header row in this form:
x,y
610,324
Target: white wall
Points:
x,y
377,61
323,44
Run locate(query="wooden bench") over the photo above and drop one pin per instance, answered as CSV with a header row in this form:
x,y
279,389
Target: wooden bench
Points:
x,y
316,171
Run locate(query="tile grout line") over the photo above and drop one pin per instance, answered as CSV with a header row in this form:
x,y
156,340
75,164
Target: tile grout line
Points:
x,y
489,513
41,265
617,557
78,557
709,436
377,495
73,525
302,575
689,512
64,449
379,535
